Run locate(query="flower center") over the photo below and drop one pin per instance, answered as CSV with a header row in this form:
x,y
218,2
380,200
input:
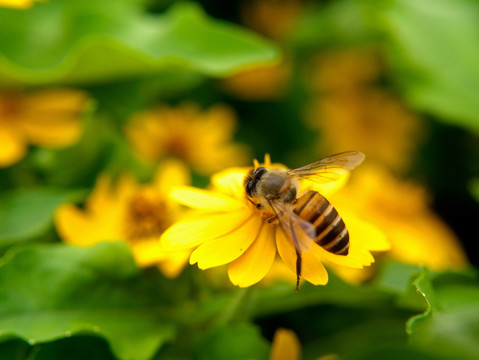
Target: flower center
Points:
x,y
146,217
9,107
178,146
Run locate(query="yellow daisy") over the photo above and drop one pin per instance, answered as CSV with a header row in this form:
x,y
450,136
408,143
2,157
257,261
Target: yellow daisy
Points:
x,y
202,139
19,4
137,214
48,118
260,83
227,228
352,112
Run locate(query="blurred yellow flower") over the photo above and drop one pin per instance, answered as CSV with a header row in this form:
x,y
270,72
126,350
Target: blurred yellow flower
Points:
x,y
137,214
19,4
260,83
352,113
272,18
400,210
286,346
48,118
202,139
228,229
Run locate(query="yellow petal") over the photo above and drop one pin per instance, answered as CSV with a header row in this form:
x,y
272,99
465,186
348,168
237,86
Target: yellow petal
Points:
x,y
60,100
285,346
52,130
229,247
77,228
172,173
147,251
12,145
19,4
192,231
204,199
255,263
230,181
172,265
365,233
312,268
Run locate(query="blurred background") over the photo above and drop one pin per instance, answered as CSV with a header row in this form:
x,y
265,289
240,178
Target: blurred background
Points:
x,y
90,90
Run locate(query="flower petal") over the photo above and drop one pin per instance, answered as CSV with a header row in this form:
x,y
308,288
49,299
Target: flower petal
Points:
x,y
149,252
230,181
285,345
192,231
52,130
76,228
205,199
172,173
13,145
255,263
312,268
228,247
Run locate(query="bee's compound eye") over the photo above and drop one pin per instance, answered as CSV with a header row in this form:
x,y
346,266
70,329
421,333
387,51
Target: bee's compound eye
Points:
x,y
259,172
253,181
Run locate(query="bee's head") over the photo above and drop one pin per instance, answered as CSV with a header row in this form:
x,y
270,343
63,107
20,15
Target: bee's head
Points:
x,y
251,180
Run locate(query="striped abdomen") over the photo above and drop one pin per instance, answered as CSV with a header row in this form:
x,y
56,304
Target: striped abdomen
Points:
x,y
331,232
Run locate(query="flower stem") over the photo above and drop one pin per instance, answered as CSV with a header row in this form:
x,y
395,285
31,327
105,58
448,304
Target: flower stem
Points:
x,y
238,308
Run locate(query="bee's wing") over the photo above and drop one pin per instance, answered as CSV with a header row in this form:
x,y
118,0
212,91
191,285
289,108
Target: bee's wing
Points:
x,y
330,168
298,230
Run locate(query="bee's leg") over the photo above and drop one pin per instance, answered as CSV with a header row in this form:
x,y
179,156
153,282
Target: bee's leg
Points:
x,y
272,218
298,269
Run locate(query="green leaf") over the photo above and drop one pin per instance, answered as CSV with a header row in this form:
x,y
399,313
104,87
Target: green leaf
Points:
x,y
434,45
26,213
54,292
281,297
87,41
449,327
233,342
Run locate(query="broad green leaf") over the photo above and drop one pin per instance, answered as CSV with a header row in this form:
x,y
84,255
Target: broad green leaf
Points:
x,y
85,41
27,213
53,292
281,297
449,327
232,342
434,46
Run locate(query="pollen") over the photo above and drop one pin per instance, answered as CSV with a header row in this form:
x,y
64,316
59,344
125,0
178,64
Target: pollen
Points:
x,y
146,217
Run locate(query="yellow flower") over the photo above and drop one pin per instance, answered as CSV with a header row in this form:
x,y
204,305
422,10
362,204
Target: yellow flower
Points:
x,y
260,83
353,113
286,346
202,139
228,229
400,210
137,214
19,4
271,18
49,118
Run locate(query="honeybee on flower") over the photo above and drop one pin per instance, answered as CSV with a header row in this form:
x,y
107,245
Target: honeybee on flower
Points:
x,y
244,221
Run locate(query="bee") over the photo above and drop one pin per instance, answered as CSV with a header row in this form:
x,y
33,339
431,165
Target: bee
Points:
x,y
310,218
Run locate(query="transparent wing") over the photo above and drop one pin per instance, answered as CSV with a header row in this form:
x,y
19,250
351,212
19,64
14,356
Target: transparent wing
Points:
x,y
330,168
298,230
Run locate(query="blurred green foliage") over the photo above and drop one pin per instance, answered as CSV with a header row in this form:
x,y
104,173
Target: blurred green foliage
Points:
x,y
59,302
